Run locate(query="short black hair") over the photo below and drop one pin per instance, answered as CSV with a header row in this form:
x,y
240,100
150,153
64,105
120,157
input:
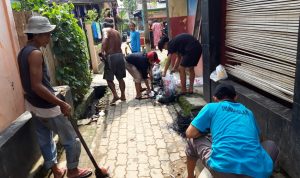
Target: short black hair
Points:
x,y
225,91
108,25
162,42
30,36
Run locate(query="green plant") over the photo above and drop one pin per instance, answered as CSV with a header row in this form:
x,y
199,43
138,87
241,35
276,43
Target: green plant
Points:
x,y
130,6
91,16
122,20
69,46
28,5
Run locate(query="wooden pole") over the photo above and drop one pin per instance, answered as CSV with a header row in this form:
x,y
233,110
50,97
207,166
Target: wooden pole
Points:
x,y
146,26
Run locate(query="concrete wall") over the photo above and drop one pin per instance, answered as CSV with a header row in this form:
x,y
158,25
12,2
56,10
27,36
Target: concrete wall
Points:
x,y
178,16
192,8
182,20
11,93
18,147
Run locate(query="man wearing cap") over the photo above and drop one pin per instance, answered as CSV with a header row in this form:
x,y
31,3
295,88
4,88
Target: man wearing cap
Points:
x,y
48,110
114,61
234,149
139,65
188,51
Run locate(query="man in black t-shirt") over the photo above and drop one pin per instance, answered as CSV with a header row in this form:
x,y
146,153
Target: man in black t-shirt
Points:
x,y
139,65
188,50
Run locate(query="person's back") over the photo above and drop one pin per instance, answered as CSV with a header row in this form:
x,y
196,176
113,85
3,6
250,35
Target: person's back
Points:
x,y
139,60
182,43
236,144
114,41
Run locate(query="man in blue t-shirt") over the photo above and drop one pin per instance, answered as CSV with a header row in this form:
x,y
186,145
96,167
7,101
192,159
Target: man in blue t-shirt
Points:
x,y
134,39
234,148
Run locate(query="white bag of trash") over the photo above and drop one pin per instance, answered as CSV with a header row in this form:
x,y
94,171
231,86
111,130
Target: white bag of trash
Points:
x,y
219,74
169,85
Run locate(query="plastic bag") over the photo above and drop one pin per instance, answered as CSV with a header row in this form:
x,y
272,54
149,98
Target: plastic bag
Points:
x,y
169,85
156,72
219,73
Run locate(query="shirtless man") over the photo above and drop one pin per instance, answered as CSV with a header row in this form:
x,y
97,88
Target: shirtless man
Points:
x,y
114,63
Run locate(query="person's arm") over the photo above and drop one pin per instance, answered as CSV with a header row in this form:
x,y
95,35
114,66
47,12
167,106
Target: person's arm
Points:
x,y
104,47
192,132
177,62
35,61
167,65
201,124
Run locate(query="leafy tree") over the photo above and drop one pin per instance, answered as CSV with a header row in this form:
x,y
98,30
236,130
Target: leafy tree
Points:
x,y
91,15
130,6
122,20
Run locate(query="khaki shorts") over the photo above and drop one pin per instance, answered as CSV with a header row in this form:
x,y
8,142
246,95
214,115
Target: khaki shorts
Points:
x,y
134,72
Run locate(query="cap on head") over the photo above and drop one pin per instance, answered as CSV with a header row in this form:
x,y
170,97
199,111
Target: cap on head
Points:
x,y
162,42
153,55
38,24
225,91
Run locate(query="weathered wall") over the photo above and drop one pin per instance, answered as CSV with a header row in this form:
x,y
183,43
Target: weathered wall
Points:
x,y
178,16
11,93
192,8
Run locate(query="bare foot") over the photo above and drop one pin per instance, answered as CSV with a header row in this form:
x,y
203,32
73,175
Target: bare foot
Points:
x,y
59,172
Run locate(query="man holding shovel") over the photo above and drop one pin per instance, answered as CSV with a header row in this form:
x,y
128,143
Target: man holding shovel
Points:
x,y
48,110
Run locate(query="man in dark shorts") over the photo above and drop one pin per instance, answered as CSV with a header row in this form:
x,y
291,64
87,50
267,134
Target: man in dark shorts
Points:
x,y
114,61
139,65
188,50
234,149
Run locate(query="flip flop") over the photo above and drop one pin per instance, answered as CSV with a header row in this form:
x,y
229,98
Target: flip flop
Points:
x,y
83,173
60,176
113,101
143,89
141,97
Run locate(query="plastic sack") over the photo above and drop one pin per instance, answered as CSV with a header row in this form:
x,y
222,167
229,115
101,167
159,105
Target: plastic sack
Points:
x,y
156,72
169,85
219,74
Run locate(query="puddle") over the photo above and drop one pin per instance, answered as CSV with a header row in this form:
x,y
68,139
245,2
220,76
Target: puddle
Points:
x,y
180,124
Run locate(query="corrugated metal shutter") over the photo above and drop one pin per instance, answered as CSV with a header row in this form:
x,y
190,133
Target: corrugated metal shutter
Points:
x,y
261,44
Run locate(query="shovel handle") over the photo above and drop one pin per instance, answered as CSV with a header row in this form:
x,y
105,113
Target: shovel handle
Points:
x,y
98,171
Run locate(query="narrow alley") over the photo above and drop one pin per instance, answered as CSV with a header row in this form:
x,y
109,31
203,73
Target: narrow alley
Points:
x,y
135,139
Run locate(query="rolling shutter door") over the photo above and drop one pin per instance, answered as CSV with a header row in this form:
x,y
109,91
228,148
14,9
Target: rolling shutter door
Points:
x,y
261,44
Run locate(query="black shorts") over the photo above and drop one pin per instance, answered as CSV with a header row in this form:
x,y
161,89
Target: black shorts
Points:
x,y
114,66
192,55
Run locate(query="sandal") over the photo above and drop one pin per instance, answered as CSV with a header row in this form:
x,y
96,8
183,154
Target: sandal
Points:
x,y
113,101
61,174
123,99
143,89
141,97
82,173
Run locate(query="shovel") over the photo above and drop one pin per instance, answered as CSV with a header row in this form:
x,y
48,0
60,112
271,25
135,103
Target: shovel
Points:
x,y
98,172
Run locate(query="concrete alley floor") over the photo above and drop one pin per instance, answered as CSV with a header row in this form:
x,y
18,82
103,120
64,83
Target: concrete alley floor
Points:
x,y
134,140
